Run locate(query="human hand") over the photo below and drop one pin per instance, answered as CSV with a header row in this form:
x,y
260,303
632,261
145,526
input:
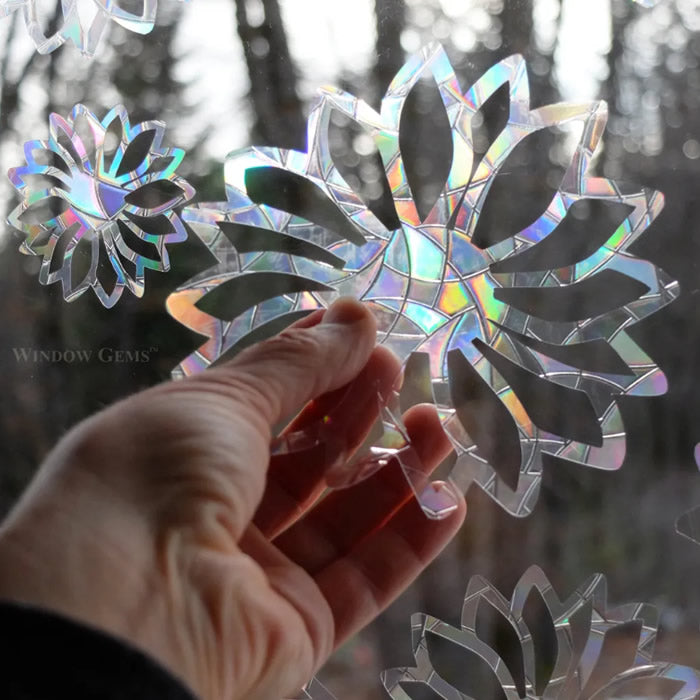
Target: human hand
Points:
x,y
164,521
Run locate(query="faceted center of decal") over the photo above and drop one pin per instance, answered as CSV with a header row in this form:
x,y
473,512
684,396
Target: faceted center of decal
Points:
x,y
436,285
94,197
446,271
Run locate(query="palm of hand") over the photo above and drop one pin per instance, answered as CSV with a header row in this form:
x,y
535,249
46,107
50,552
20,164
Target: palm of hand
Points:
x,y
210,555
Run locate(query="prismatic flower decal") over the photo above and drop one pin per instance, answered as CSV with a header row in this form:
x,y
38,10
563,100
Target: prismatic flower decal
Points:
x,y
82,21
515,325
99,216
543,648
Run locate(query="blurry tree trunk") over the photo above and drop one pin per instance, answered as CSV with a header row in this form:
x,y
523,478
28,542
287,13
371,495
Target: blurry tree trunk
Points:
x,y
620,16
278,118
518,36
24,441
390,18
147,97
5,99
49,82
9,92
543,87
517,25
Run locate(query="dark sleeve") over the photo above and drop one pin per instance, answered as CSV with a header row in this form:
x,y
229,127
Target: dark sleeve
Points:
x,y
44,656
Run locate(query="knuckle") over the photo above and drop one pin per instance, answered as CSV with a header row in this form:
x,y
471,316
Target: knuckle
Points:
x,y
225,391
94,441
298,343
292,358
298,352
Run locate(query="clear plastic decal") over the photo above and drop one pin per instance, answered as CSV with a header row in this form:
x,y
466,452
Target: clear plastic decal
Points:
x,y
82,22
437,498
537,646
315,690
516,329
99,214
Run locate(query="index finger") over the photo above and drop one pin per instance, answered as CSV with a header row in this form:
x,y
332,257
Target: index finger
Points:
x,y
282,374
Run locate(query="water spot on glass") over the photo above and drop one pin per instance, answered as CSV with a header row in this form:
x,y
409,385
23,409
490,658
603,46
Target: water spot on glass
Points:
x,y
260,46
691,149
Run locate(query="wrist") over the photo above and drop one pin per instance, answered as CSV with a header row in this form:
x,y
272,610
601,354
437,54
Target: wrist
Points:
x,y
84,570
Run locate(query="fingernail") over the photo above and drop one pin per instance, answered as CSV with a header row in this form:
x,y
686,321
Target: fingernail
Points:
x,y
344,311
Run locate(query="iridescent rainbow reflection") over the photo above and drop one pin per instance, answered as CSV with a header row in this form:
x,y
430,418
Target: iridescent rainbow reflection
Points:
x,y
80,204
433,290
75,25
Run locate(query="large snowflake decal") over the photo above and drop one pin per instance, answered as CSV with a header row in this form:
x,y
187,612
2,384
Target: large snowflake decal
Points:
x,y
100,219
473,319
82,21
573,649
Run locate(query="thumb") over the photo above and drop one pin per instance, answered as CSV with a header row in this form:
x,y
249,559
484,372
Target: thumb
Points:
x,y
282,374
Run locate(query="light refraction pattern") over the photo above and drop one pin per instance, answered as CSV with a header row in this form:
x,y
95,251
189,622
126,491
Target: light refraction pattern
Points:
x,y
434,292
591,651
100,215
82,21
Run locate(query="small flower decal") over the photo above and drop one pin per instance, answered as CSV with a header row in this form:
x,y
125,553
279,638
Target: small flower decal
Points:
x,y
100,217
494,314
74,23
588,650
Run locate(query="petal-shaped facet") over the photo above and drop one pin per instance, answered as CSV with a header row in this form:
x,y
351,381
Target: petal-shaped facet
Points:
x,y
595,650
